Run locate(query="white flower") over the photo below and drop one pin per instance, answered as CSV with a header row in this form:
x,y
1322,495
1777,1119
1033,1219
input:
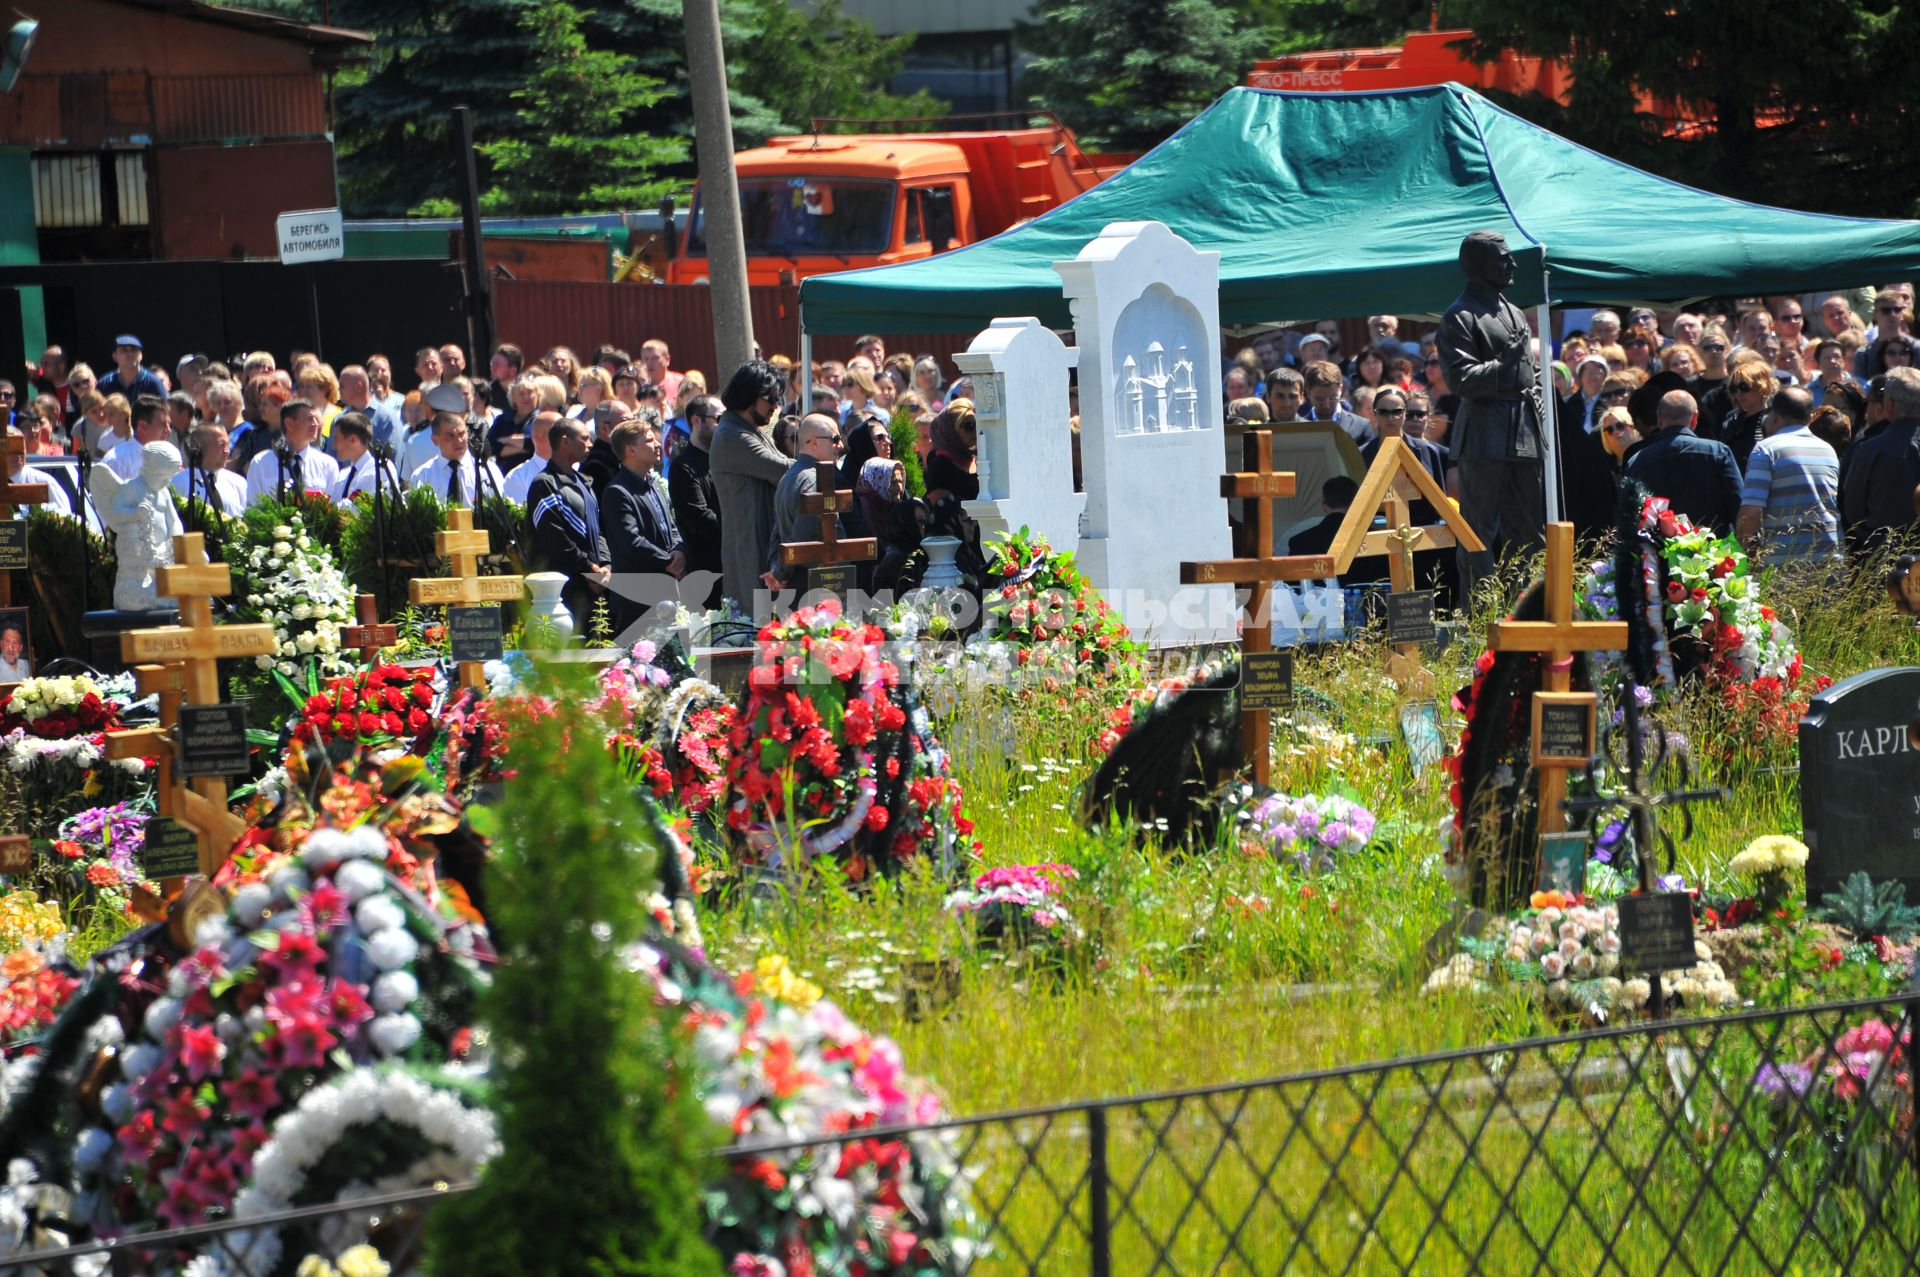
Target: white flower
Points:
x,y
391,948
161,1016
395,991
1553,965
250,903
91,1149
139,1060
378,913
392,1034
359,879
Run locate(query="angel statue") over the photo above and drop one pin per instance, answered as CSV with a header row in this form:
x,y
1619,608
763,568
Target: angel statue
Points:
x,y
140,512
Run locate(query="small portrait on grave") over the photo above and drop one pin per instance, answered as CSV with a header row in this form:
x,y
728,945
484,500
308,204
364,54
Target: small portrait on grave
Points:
x,y
1903,585
1563,863
16,659
1420,728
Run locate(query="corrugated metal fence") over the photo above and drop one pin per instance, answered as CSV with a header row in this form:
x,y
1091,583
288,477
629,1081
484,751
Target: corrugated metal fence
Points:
x,y
539,314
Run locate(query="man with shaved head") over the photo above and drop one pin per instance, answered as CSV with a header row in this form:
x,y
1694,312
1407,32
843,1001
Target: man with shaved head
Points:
x,y
1698,476
820,441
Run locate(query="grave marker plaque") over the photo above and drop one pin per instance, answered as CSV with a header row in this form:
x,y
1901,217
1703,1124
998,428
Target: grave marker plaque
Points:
x,y
171,850
1563,727
1656,933
1266,680
837,578
1860,782
213,740
16,854
1410,617
13,545
473,634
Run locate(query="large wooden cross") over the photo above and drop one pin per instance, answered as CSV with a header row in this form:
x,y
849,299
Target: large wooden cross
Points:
x,y
194,649
1557,638
1392,483
1259,487
369,635
463,546
828,501
14,495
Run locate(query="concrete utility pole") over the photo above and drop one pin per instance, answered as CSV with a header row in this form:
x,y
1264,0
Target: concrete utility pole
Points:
x,y
719,187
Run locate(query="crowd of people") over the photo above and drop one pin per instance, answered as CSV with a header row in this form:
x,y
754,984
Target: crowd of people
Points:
x,y
624,466
1796,434
1789,426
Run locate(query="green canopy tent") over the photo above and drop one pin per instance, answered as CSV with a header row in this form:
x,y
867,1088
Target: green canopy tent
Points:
x,y
1327,205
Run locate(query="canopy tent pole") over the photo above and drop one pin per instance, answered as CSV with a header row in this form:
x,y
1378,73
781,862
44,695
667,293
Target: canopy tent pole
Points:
x,y
805,405
1549,401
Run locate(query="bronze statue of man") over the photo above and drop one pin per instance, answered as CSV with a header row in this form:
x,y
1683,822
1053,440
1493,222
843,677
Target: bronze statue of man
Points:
x,y
1495,440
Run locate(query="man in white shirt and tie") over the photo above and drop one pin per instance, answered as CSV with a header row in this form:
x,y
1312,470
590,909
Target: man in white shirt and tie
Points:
x,y
359,469
305,468
209,480
521,477
454,476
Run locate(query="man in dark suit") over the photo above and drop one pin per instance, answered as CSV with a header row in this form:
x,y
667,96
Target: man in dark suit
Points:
x,y
566,523
639,524
696,506
1699,477
1336,494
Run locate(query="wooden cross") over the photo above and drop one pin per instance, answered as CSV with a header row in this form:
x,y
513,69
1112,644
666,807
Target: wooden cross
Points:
x,y
1259,488
1557,638
463,546
827,502
193,649
169,682
369,635
14,495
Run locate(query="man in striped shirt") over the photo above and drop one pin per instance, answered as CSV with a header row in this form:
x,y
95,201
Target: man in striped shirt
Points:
x,y
1790,507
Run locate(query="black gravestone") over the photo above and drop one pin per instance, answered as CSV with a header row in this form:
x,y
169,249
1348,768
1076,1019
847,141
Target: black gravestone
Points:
x,y
1860,782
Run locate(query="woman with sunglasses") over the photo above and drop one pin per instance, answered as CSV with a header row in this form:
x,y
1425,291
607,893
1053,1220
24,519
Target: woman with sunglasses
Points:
x,y
1895,351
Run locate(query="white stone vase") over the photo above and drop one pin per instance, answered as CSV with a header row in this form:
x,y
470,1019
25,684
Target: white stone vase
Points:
x,y
545,587
942,573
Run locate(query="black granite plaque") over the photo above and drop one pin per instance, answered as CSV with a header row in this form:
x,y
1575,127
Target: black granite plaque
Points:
x,y
1410,617
213,740
473,633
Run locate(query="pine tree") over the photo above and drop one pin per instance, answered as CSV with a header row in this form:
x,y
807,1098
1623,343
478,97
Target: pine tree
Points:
x,y
601,1129
1124,74
1798,103
395,117
832,65
652,35
574,153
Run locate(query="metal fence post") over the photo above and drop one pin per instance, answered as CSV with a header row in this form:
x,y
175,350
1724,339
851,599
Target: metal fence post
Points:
x,y
1913,1070
1098,1224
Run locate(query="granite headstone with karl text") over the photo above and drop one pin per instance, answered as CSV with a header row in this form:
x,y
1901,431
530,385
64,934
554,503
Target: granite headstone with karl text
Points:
x,y
1860,782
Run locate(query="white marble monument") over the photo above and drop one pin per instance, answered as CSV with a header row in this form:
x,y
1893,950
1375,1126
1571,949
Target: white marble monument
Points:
x,y
1019,371
1146,318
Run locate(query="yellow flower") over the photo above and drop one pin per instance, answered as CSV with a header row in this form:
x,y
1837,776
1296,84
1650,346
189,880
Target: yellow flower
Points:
x,y
314,1266
1771,853
363,1261
776,978
23,918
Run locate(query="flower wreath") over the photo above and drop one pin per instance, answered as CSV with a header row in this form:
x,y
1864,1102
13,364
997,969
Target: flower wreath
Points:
x,y
824,758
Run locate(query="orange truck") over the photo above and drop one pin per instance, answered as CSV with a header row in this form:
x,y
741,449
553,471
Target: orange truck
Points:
x,y
836,201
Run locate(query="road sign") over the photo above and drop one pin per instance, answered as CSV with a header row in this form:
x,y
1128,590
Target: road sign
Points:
x,y
311,235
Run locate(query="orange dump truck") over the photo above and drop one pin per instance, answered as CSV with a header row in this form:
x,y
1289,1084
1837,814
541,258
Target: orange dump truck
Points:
x,y
835,201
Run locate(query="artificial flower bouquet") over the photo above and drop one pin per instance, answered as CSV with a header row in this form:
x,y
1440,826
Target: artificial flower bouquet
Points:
x,y
1020,905
285,577
781,1065
1038,600
826,761
1570,947
1310,833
